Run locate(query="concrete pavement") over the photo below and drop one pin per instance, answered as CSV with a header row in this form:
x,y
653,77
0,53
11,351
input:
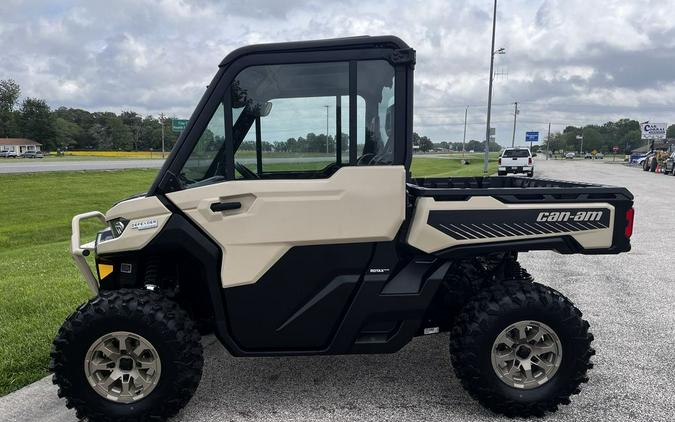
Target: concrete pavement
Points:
x,y
628,299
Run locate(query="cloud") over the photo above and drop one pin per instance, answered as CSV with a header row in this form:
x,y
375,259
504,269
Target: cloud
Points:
x,y
569,62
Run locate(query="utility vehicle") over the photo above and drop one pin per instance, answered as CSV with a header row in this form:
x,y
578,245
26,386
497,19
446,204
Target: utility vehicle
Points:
x,y
516,160
326,245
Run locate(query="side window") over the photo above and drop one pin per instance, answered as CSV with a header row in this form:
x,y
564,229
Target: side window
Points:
x,y
291,120
375,84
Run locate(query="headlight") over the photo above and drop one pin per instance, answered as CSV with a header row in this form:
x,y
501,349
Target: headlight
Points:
x,y
117,226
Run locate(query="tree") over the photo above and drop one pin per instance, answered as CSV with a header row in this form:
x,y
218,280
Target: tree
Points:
x,y
592,139
426,144
670,132
36,122
67,133
9,95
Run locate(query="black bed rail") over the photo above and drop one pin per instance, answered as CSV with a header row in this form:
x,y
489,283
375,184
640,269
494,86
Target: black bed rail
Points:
x,y
510,189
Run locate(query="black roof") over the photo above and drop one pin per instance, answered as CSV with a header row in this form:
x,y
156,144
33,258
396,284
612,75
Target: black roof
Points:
x,y
363,41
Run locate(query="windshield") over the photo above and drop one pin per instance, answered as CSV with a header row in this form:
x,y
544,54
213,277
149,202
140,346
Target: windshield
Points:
x,y
516,153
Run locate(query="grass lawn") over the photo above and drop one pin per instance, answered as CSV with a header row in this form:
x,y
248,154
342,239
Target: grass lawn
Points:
x,y
40,286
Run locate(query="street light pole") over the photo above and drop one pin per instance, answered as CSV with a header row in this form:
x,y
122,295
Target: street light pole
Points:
x,y
515,115
489,107
161,119
327,107
548,140
466,111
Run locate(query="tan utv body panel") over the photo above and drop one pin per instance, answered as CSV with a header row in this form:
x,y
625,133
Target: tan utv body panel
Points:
x,y
356,204
146,215
429,239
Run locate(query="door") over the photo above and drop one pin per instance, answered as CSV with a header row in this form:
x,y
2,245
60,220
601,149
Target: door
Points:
x,y
296,177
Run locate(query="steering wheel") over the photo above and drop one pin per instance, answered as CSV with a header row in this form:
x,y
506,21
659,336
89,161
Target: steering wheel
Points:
x,y
365,159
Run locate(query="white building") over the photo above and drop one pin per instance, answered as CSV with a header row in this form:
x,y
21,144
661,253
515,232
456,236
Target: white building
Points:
x,y
19,145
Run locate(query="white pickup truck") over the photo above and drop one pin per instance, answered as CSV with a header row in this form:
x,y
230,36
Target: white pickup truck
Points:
x,y
516,160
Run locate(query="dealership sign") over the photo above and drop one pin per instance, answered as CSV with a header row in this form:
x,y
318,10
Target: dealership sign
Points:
x,y
653,130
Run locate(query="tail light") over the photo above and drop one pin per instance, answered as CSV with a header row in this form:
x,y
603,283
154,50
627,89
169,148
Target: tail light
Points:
x,y
499,161
630,214
529,160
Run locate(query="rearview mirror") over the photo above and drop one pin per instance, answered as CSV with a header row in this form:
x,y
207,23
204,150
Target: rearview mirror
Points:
x,y
261,109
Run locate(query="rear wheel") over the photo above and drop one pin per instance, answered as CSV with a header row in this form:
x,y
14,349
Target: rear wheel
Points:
x,y
127,355
521,348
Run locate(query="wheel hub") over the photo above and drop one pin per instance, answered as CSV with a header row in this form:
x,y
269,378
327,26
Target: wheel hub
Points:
x,y
526,354
122,367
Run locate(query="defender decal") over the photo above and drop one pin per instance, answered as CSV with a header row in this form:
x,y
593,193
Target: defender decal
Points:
x,y
486,224
144,224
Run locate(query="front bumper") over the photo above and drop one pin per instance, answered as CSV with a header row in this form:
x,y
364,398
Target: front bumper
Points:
x,y
81,251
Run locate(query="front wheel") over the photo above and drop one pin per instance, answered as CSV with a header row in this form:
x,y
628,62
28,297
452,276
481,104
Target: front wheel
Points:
x,y
127,355
521,349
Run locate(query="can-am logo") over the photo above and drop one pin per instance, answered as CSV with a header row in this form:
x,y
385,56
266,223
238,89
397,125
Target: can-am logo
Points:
x,y
569,216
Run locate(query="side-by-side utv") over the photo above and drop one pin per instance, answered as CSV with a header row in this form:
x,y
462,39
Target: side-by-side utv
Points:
x,y
284,240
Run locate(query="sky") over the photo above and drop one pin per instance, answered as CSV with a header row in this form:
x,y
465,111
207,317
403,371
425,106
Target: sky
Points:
x,y
568,62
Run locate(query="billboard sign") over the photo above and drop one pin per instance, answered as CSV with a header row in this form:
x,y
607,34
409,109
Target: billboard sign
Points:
x,y
531,136
653,130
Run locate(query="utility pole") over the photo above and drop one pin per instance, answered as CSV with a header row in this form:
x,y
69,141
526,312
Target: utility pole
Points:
x,y
466,111
489,107
515,115
548,139
161,119
327,128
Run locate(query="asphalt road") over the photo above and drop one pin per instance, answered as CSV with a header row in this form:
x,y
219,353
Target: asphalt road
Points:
x,y
35,165
629,300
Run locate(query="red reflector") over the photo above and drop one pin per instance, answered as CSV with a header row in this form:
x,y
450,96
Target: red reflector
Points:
x,y
630,214
500,160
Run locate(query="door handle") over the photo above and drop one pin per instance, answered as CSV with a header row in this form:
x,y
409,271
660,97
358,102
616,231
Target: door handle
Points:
x,y
225,206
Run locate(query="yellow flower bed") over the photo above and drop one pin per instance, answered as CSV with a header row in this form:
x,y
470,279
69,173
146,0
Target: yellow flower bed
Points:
x,y
135,154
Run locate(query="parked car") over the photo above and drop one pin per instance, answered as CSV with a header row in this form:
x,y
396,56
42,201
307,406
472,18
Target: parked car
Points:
x,y
588,156
8,154
599,156
570,156
669,165
516,160
32,154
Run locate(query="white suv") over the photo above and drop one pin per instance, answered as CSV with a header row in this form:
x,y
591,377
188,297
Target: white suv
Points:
x,y
516,160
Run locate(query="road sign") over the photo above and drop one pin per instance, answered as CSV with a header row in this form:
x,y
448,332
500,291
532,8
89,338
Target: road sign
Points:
x,y
178,125
615,148
531,136
653,130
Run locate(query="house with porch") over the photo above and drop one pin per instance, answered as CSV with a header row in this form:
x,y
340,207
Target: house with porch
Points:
x,y
19,145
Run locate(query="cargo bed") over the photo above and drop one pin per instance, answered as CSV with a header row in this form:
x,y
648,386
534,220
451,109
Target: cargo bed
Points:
x,y
462,215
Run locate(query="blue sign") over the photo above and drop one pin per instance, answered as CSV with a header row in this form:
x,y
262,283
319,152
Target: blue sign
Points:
x,y
531,136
